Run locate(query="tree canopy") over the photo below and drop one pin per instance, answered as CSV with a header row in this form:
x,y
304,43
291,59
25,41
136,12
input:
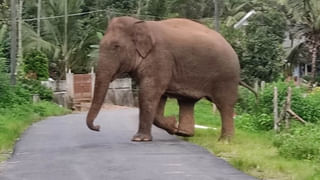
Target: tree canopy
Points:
x,y
74,46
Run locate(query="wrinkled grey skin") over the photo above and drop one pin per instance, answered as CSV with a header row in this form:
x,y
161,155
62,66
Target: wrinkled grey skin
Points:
x,y
177,58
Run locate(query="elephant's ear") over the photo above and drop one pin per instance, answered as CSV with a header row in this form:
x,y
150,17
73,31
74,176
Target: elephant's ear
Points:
x,y
143,38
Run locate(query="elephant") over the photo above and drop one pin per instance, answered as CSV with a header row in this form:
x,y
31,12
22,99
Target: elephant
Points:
x,y
176,58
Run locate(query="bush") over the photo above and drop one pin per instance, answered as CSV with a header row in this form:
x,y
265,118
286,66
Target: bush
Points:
x,y
35,87
36,65
248,103
254,122
308,107
300,143
261,112
13,95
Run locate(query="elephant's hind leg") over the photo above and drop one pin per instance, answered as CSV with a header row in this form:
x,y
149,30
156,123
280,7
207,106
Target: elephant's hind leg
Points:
x,y
186,119
167,123
225,99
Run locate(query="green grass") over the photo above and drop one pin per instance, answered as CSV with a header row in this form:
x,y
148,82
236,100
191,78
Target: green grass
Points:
x,y
203,112
14,121
250,152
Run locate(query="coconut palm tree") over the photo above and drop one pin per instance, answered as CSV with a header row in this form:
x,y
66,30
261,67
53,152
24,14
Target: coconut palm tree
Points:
x,y
66,49
304,16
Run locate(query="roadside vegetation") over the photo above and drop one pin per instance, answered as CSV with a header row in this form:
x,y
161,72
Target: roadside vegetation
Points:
x,y
17,109
256,149
16,119
292,153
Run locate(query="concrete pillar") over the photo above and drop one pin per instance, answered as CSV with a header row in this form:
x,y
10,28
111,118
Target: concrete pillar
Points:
x,y
93,79
70,84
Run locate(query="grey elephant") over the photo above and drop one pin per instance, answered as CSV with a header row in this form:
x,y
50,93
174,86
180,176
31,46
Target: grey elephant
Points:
x,y
176,58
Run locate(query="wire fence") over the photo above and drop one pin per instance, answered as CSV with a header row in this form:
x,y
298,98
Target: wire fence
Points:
x,y
108,11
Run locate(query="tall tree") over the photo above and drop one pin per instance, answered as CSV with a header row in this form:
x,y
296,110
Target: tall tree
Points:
x,y
13,36
74,53
305,19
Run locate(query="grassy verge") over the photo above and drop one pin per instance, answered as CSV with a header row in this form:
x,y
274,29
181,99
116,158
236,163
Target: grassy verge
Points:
x,y
250,152
14,121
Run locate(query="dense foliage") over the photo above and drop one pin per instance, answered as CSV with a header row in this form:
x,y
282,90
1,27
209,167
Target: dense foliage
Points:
x,y
82,30
300,141
36,65
20,94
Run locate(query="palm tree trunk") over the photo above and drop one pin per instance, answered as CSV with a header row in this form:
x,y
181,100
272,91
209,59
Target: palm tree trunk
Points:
x,y
13,44
314,65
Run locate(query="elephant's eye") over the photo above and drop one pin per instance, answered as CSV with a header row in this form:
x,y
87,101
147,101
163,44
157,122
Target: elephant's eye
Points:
x,y
116,47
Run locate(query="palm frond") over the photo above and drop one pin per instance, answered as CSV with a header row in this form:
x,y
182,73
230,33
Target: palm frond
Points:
x,y
31,40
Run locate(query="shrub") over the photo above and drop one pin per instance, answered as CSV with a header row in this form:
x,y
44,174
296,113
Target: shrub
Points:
x,y
261,112
308,107
300,142
254,122
248,103
11,95
35,87
36,65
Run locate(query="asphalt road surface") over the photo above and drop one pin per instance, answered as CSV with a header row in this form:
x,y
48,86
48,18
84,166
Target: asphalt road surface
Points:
x,y
62,148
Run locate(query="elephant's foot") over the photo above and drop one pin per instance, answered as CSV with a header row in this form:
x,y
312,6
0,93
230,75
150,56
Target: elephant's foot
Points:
x,y
186,128
167,123
185,133
225,138
139,137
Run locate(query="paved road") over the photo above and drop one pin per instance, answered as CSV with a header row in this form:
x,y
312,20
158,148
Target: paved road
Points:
x,y
62,148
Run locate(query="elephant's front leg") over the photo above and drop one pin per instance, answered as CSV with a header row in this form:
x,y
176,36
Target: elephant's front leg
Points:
x,y
167,123
149,97
186,119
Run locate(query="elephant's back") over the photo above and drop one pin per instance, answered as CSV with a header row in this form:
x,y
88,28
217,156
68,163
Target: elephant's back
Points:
x,y
196,46
188,35
202,57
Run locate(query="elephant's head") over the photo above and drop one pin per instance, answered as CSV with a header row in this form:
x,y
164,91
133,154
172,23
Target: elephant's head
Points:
x,y
125,44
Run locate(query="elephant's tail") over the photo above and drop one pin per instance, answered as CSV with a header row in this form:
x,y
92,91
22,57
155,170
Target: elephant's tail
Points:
x,y
250,88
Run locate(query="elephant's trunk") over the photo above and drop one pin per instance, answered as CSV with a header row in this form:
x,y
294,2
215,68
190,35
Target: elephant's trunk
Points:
x,y
103,79
100,92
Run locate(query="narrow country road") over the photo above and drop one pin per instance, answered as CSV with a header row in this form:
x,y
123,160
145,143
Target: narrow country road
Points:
x,y
62,148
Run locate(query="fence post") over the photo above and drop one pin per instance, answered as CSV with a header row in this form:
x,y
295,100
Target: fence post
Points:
x,y
93,79
263,85
35,98
70,84
275,109
256,86
288,106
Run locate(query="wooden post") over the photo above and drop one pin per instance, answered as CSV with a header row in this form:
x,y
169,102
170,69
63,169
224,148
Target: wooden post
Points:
x,y
306,69
256,86
263,85
139,8
275,109
35,98
216,15
214,108
288,106
296,116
